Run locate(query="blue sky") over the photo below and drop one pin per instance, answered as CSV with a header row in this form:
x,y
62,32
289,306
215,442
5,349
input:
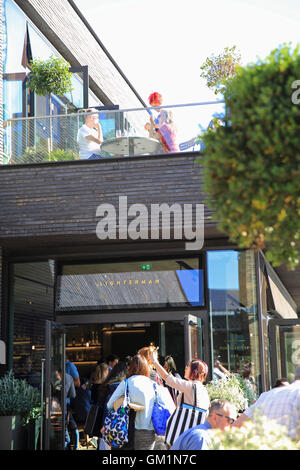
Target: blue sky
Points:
x,y
161,44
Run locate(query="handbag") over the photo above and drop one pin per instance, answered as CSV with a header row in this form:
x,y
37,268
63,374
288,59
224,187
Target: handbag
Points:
x,y
160,415
93,421
184,417
115,430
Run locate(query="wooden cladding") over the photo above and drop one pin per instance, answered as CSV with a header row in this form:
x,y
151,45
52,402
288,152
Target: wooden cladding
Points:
x,y
62,198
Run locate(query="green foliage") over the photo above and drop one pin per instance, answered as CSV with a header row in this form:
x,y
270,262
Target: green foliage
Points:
x,y
216,70
259,434
228,388
50,76
40,154
252,164
34,154
59,155
17,397
247,389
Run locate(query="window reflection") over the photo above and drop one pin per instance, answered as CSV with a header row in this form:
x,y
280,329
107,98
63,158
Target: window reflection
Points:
x,y
14,36
233,312
22,42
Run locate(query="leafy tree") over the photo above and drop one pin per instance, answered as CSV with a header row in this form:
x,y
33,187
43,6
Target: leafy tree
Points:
x,y
252,162
50,76
217,69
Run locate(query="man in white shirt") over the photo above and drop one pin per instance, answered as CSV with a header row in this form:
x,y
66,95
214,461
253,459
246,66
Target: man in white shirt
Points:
x,y
90,137
281,404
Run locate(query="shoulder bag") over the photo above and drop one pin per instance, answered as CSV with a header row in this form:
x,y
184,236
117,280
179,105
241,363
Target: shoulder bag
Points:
x,y
160,415
115,430
184,417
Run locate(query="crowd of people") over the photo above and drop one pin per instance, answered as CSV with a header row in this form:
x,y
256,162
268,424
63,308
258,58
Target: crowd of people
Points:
x,y
106,386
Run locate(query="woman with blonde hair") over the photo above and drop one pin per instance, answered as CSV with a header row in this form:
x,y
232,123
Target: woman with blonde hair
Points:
x,y
146,352
100,373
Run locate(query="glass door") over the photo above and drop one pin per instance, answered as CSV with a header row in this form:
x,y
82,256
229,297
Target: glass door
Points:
x,y
54,390
284,338
196,338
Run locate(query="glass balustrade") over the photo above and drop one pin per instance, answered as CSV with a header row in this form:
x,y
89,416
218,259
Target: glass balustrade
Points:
x,y
125,133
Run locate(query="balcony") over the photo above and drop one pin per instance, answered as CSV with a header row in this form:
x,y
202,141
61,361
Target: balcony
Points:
x,y
54,138
49,196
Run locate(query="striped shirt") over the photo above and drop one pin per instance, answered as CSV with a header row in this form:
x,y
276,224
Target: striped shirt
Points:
x,y
281,404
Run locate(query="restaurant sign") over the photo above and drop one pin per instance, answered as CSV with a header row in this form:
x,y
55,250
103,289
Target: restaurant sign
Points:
x,y
146,288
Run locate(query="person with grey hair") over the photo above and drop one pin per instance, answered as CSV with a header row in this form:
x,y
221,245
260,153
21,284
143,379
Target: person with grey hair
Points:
x,y
281,404
222,413
90,137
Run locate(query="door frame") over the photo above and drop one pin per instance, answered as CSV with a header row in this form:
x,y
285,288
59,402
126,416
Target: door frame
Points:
x,y
273,345
49,327
153,316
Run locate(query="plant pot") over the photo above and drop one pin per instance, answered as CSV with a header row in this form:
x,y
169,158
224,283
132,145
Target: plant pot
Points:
x,y
33,431
12,433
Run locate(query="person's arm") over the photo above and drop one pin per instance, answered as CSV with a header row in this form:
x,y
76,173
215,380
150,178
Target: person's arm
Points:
x,y
120,390
75,374
222,368
161,371
179,384
241,419
99,138
72,392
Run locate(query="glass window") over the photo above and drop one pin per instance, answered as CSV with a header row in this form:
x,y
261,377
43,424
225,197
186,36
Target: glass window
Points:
x,y
40,47
33,304
156,283
233,313
13,38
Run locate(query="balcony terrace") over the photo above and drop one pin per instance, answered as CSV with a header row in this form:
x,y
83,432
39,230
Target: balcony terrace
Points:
x,y
54,138
49,194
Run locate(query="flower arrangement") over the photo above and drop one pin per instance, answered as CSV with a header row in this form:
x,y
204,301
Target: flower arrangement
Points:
x,y
17,397
259,434
228,388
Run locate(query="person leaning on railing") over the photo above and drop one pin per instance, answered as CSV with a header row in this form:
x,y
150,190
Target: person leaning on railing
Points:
x,y
90,137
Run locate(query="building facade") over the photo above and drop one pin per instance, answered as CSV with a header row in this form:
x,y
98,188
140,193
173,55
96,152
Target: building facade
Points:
x,y
117,294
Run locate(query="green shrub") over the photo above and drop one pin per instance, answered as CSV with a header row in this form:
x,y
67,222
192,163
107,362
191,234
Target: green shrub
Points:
x,y
35,154
259,434
252,163
17,397
228,388
59,155
39,154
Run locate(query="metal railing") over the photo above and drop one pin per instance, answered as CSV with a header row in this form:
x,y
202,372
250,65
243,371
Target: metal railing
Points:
x,y
127,132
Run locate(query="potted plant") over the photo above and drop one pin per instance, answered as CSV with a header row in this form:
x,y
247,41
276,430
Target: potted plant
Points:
x,y
47,77
19,402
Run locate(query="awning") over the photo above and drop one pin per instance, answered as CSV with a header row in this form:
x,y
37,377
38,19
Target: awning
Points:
x,y
283,302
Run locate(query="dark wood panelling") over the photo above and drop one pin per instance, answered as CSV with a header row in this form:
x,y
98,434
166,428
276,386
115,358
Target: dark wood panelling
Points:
x,y
61,199
50,209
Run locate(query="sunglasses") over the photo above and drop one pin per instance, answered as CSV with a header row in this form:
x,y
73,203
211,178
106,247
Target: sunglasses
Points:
x,y
229,420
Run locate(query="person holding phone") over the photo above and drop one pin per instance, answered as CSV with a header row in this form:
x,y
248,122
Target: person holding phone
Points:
x,y
90,137
195,373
